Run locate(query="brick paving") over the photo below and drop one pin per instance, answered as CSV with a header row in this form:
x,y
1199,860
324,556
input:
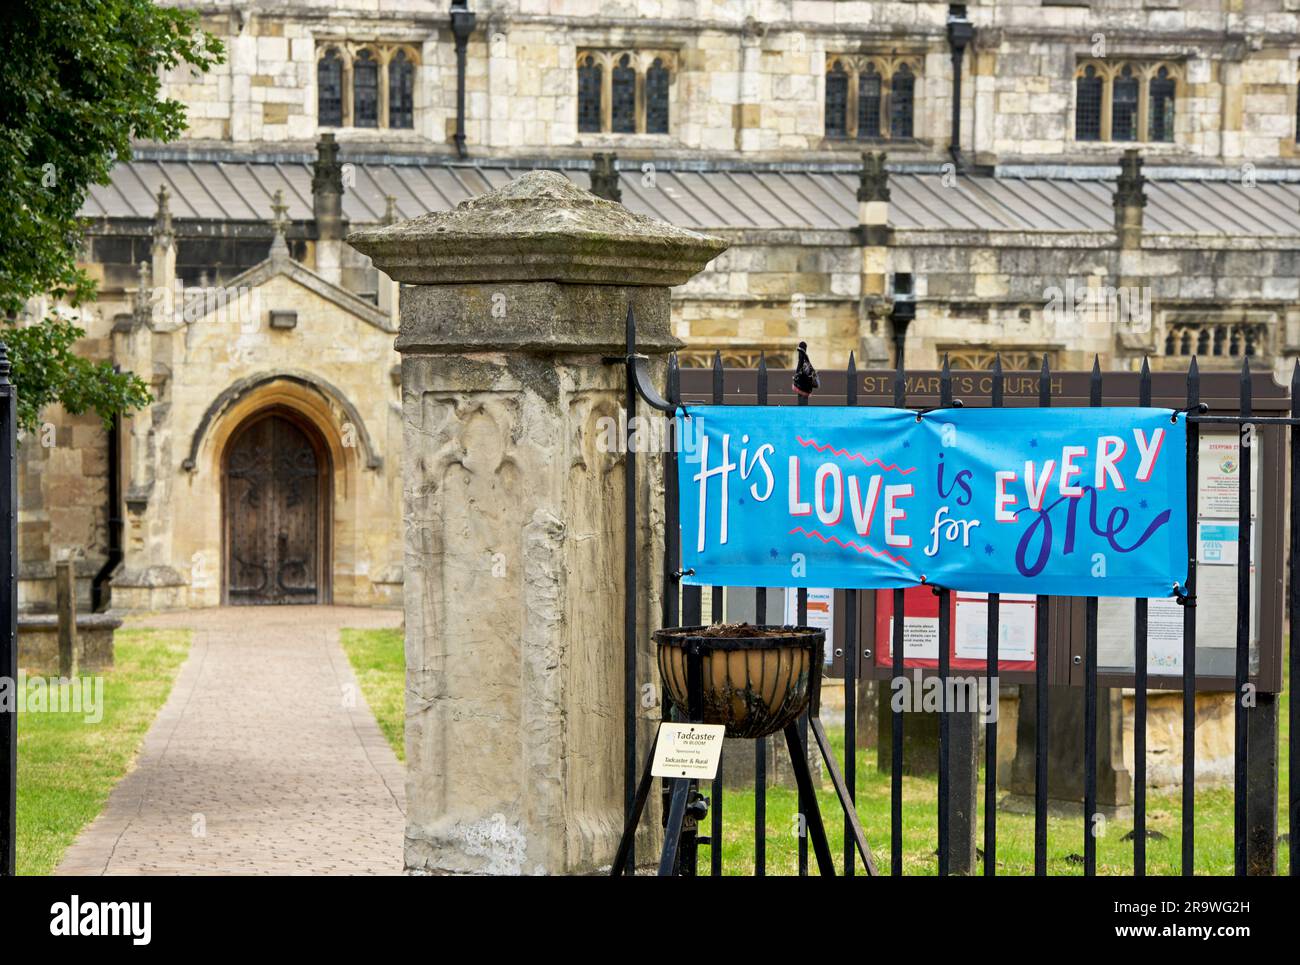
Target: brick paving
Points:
x,y
265,758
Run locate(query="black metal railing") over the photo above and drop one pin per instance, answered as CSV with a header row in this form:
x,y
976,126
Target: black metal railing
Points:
x,y
9,611
1255,755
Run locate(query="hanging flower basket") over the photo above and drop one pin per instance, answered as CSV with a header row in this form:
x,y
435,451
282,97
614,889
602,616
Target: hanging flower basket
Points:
x,y
756,679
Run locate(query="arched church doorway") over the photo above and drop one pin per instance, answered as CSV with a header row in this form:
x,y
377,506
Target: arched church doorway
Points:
x,y
275,506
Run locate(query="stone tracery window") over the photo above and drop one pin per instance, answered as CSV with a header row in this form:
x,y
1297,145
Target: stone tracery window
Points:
x,y
624,91
656,98
869,94
590,87
1089,91
1124,105
980,358
736,357
623,102
871,97
1163,89
837,101
366,85
329,88
401,91
365,90
1125,101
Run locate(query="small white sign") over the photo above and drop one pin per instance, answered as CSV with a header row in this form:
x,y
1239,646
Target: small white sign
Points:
x,y
920,638
688,750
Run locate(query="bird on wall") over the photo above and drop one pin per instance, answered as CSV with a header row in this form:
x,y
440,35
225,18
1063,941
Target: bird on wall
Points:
x,y
805,376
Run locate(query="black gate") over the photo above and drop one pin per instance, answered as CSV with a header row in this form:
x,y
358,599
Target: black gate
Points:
x,y
9,609
1249,404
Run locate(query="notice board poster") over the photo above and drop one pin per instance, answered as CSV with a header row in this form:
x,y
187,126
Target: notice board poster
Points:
x,y
1115,635
968,635
1218,476
821,614
1217,531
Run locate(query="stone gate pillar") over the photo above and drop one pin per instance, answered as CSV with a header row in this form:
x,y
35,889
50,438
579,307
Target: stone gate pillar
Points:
x,y
513,516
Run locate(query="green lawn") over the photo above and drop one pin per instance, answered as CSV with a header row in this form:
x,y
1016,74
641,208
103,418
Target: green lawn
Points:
x,y
1015,844
67,766
379,660
377,656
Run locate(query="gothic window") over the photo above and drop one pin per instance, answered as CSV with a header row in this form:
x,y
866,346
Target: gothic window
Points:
x,y
656,98
623,102
869,102
365,90
329,89
1161,123
1087,111
1212,338
900,115
1124,106
367,84
589,85
980,358
401,91
837,101
624,91
1125,101
870,97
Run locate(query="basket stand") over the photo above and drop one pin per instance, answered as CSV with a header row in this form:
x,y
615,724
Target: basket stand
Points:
x,y
687,807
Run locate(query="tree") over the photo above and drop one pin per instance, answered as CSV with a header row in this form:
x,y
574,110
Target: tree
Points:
x,y
79,81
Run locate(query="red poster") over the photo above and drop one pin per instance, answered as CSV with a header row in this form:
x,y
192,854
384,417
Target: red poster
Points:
x,y
967,632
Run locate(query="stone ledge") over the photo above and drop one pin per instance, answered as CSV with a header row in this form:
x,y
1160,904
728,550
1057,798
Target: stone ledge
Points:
x,y
38,641
539,227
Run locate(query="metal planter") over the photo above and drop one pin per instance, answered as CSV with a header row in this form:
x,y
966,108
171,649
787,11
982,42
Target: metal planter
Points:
x,y
755,685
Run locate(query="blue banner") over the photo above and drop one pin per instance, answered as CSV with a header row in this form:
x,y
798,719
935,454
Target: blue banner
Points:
x,y
1068,502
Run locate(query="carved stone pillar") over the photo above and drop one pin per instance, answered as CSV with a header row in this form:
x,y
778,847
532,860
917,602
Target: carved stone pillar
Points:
x,y
513,516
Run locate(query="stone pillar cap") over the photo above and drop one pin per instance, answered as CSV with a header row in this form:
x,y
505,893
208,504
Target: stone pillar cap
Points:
x,y
539,227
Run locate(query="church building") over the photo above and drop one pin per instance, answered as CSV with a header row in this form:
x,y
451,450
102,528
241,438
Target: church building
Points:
x,y
908,179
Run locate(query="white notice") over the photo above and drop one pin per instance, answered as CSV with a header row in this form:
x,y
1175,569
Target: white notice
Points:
x,y
920,638
688,750
1016,625
1164,637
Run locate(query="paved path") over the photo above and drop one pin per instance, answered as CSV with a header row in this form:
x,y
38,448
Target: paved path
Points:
x,y
257,764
